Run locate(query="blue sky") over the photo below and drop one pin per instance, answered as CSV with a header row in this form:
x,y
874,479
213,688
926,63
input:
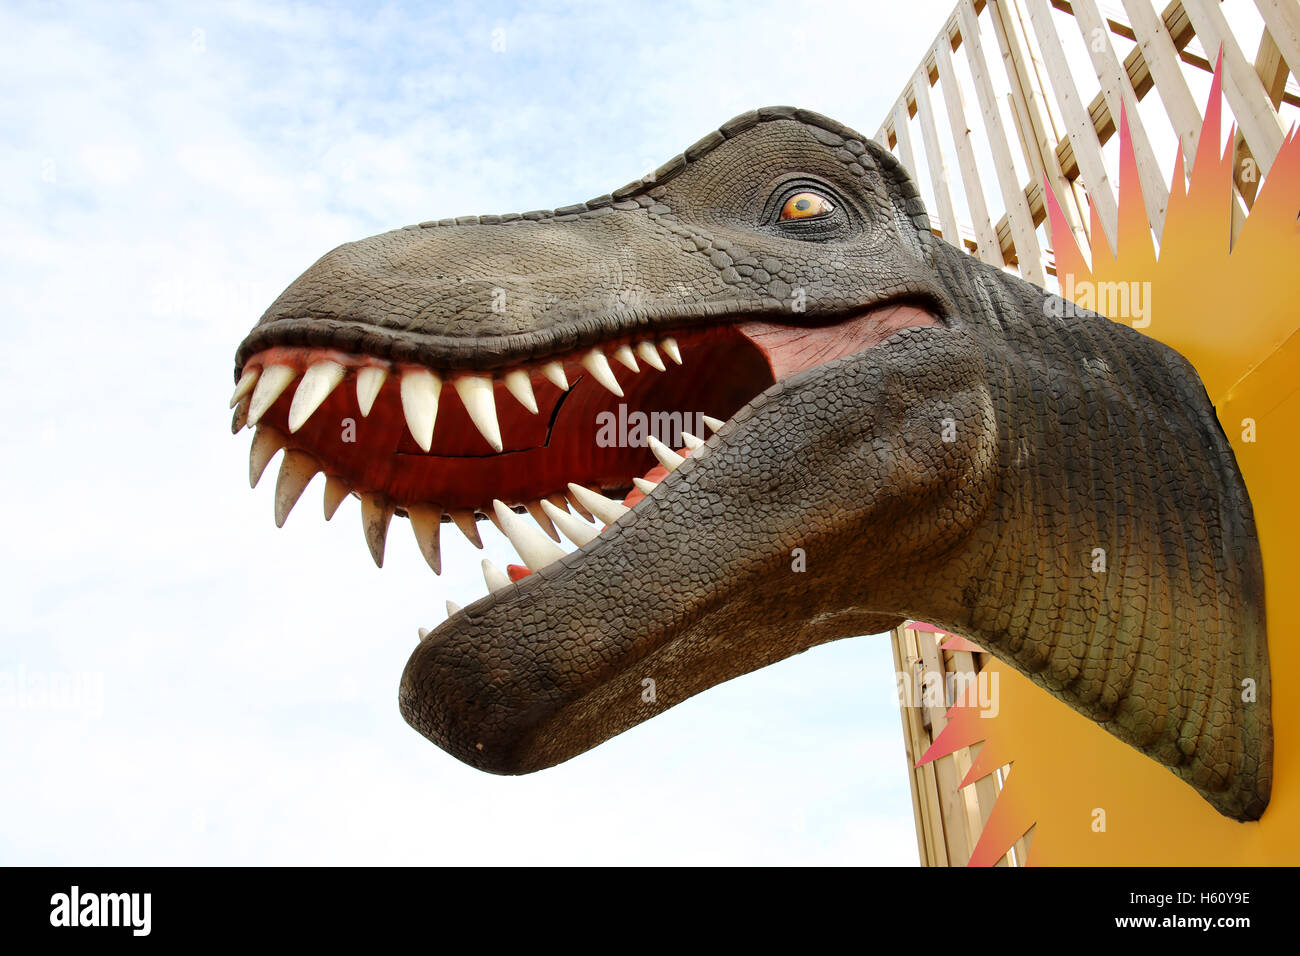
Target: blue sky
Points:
x,y
168,170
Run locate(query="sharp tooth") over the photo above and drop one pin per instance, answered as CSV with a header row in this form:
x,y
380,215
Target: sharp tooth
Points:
x,y
376,512
691,442
713,423
669,345
369,381
297,469
464,519
667,457
246,383
559,501
543,522
624,354
266,442
420,391
240,418
554,372
492,516
600,506
426,521
521,387
316,385
536,550
273,380
452,608
649,354
475,392
424,632
596,363
577,506
493,577
574,529
336,489
643,485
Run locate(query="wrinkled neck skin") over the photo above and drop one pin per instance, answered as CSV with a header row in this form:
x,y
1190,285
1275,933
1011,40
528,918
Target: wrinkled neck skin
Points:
x,y
1058,490
1116,563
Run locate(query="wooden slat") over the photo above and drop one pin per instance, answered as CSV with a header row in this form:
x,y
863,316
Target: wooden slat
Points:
x,y
1119,96
949,819
1255,116
1188,47
1161,58
961,759
934,158
1036,109
1021,847
1174,24
904,137
987,247
1180,32
1282,17
986,788
1019,219
950,798
1079,124
901,666
1271,69
927,780
1019,98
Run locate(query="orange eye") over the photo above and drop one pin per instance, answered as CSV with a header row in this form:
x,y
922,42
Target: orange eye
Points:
x,y
806,206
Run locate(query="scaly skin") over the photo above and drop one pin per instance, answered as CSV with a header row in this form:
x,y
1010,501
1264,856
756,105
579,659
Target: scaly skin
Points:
x,y
963,471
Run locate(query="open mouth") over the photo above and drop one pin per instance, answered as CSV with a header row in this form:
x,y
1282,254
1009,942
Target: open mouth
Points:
x,y
770,410
571,441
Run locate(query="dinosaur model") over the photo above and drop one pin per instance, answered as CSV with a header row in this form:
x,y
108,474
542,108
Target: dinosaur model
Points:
x,y
901,432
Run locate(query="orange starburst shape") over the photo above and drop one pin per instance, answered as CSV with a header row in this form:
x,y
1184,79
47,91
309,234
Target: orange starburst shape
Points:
x,y
1231,309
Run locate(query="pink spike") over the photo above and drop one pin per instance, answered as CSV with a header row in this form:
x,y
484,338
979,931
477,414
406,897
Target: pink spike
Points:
x,y
959,733
1102,254
983,765
1207,146
1000,830
1177,188
1069,259
1133,239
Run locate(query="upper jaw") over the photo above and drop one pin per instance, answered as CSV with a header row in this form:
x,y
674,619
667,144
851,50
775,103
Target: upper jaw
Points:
x,y
487,297
483,297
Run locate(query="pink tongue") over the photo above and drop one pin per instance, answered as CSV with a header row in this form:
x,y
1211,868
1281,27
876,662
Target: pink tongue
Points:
x,y
658,473
793,348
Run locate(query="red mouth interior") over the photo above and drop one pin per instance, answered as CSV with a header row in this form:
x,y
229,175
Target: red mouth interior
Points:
x,y
542,453
723,368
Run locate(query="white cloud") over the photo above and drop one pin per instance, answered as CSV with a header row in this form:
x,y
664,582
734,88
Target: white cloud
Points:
x,y
162,186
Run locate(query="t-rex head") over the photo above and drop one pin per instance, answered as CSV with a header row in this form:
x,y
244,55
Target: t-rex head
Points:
x,y
908,433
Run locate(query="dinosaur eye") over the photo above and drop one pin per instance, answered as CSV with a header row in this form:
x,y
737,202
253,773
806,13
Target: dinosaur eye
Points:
x,y
806,206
